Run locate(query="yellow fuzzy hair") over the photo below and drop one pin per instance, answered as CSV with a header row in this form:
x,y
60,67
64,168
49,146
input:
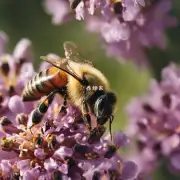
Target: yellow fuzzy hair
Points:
x,y
75,89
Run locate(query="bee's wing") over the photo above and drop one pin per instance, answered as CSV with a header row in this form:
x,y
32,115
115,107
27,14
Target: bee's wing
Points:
x,y
62,63
72,53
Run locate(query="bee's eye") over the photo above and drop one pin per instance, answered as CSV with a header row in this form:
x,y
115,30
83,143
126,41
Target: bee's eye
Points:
x,y
99,108
101,105
104,105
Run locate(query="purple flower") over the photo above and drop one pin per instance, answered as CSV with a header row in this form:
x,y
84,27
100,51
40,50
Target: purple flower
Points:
x,y
59,147
154,122
16,70
126,27
127,33
59,9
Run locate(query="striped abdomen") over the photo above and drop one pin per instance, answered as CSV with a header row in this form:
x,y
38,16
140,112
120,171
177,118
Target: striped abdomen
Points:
x,y
44,83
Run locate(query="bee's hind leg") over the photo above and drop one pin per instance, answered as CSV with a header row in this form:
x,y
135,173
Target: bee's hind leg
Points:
x,y
86,116
85,111
44,105
39,112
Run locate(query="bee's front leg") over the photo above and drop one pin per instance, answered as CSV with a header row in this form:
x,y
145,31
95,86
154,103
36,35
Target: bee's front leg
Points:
x,y
111,118
85,110
64,106
86,116
101,121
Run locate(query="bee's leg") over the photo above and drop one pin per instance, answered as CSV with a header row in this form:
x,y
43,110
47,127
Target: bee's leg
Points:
x,y
64,106
36,118
96,133
110,123
39,112
43,107
85,110
86,116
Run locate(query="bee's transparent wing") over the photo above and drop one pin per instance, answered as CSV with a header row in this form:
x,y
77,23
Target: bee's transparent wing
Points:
x,y
61,63
72,53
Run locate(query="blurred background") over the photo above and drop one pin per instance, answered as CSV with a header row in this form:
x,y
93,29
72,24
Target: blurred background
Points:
x,y
23,18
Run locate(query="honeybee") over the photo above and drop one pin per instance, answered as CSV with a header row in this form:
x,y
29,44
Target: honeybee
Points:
x,y
79,82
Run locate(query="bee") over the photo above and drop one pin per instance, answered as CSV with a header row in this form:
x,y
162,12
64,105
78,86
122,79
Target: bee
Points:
x,y
79,82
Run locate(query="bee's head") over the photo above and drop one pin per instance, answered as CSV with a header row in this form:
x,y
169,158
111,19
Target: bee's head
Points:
x,y
104,105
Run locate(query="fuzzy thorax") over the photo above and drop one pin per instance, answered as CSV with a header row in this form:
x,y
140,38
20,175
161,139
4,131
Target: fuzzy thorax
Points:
x,y
92,75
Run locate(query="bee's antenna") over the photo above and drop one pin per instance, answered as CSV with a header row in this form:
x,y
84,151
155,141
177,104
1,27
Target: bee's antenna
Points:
x,y
110,124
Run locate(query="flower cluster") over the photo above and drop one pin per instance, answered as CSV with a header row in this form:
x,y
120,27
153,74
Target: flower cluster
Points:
x,y
155,124
127,27
133,26
60,146
15,70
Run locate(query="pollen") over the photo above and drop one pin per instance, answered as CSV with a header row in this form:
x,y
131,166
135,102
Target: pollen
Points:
x,y
56,109
178,129
175,143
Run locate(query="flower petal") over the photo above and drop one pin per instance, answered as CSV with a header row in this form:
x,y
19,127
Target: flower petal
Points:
x,y
129,171
16,105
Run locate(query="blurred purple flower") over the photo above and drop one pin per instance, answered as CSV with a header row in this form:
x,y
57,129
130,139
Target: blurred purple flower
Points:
x,y
15,71
155,124
126,27
61,9
126,34
3,41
